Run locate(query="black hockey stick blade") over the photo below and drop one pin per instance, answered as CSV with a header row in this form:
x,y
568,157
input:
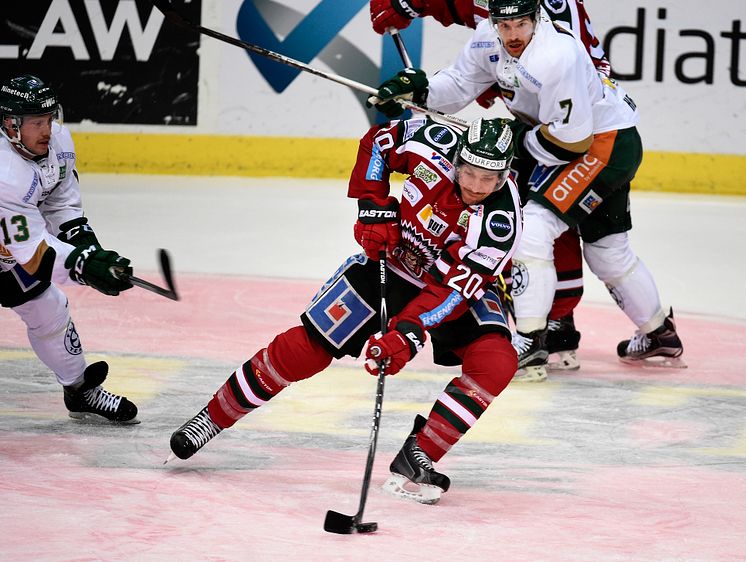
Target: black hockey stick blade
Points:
x,y
346,524
170,292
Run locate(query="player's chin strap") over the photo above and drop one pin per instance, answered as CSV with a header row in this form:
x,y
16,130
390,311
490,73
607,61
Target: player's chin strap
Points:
x,y
16,140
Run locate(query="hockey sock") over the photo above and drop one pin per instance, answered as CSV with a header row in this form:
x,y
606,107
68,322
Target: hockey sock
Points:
x,y
489,364
290,357
568,261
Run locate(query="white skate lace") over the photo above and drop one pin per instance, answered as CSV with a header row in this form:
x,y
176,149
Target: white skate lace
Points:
x,y
421,458
553,325
102,400
521,343
201,429
639,343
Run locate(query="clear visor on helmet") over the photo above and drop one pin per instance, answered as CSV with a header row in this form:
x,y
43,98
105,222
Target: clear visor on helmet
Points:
x,y
478,173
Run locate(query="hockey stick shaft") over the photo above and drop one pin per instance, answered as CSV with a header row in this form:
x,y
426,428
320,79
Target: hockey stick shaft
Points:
x,y
379,396
401,47
176,18
336,522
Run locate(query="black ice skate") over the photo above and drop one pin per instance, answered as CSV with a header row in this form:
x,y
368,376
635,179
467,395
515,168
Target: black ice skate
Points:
x,y
563,339
659,348
193,435
532,356
412,474
90,402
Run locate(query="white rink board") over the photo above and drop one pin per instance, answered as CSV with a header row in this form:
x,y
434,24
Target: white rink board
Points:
x,y
235,99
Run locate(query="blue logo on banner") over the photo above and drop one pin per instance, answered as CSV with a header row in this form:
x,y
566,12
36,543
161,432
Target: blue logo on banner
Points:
x,y
317,35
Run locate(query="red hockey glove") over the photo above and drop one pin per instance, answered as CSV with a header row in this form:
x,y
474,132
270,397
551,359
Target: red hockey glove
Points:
x,y
377,226
395,348
487,98
393,13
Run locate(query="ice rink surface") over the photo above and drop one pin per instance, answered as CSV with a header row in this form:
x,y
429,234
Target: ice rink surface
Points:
x,y
609,463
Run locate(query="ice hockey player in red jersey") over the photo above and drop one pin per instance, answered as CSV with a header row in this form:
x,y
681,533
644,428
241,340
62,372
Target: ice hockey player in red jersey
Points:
x,y
447,240
562,338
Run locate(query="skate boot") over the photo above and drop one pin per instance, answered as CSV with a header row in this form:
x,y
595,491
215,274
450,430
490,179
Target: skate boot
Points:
x,y
412,474
659,348
193,435
90,402
532,356
563,339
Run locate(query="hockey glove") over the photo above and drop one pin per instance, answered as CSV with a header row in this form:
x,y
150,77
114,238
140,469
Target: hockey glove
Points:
x,y
410,83
393,13
99,268
377,226
395,348
78,233
487,98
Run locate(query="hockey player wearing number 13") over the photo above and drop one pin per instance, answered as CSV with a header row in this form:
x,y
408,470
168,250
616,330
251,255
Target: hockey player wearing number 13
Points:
x,y
447,240
580,127
45,241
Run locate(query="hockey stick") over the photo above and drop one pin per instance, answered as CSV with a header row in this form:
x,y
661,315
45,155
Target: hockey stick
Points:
x,y
399,42
348,524
170,292
173,15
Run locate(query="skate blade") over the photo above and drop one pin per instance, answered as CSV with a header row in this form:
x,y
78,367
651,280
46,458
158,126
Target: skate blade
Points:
x,y
171,457
656,362
531,374
566,361
95,419
401,487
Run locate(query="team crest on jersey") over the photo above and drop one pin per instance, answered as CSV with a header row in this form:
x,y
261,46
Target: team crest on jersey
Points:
x,y
411,193
590,201
556,6
425,173
431,221
442,163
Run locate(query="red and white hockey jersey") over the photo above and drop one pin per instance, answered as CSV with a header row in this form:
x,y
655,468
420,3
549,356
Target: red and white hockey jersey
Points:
x,y
451,250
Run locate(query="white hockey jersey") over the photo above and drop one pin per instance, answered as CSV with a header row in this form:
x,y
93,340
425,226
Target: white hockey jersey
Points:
x,y
552,84
36,197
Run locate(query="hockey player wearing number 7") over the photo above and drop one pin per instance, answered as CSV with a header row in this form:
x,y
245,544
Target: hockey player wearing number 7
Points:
x,y
562,339
447,240
580,127
45,241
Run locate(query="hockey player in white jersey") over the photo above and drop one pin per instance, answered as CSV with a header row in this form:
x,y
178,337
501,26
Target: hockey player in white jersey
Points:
x,y
46,241
580,128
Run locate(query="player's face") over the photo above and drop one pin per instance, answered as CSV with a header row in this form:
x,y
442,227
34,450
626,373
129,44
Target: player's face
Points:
x,y
36,130
477,183
516,34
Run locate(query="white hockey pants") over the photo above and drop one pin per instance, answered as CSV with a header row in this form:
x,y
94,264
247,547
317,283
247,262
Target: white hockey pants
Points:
x,y
611,259
52,335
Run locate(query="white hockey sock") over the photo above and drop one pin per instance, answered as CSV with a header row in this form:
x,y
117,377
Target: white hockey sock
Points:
x,y
637,295
532,299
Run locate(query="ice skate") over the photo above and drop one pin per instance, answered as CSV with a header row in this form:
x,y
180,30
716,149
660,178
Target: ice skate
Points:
x,y
412,474
562,342
659,348
91,403
532,356
193,435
